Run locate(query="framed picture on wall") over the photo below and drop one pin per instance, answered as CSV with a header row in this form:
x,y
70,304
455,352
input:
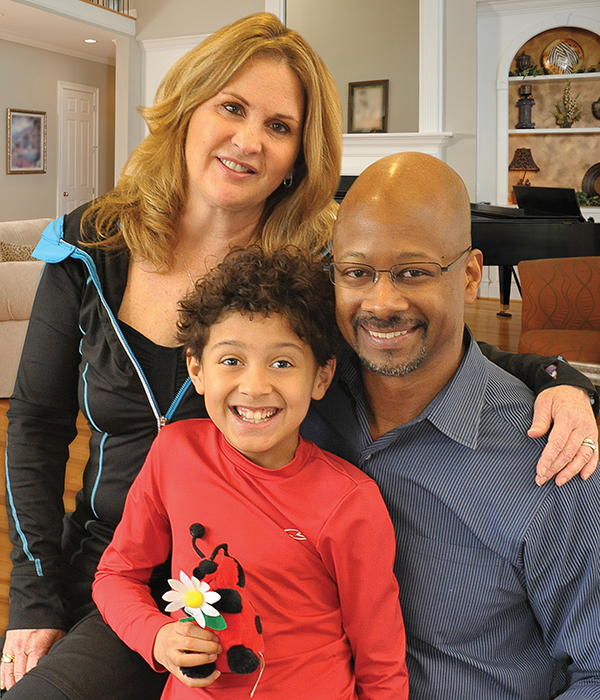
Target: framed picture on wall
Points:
x,y
367,107
25,142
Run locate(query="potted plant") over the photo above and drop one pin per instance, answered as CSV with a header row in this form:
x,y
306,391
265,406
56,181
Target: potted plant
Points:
x,y
566,111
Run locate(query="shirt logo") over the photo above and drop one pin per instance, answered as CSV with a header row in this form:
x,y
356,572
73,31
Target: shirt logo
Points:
x,y
294,534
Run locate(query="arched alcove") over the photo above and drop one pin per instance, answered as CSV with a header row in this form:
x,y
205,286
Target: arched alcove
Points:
x,y
564,150
534,34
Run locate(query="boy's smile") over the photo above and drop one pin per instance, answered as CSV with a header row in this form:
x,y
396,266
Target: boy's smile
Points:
x,y
258,378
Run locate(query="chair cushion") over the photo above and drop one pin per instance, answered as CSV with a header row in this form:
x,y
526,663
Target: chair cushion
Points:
x,y
561,293
581,346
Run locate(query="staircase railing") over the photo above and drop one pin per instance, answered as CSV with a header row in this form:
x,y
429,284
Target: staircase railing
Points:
x,y
121,6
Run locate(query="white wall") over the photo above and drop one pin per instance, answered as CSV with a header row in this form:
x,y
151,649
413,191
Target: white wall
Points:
x,y
161,19
28,80
358,40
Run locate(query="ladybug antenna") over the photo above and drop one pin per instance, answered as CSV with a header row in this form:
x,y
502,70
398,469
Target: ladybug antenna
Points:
x,y
222,547
197,531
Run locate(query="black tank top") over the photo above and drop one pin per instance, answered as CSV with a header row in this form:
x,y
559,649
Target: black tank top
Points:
x,y
164,368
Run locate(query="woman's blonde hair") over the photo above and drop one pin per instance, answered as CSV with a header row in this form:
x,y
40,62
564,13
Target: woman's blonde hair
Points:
x,y
142,212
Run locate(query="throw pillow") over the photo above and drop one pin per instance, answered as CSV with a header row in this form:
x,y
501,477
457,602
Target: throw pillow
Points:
x,y
15,252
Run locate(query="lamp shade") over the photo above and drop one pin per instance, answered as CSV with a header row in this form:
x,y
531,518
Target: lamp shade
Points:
x,y
523,160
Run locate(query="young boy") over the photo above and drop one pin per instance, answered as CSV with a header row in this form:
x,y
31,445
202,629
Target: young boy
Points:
x,y
310,530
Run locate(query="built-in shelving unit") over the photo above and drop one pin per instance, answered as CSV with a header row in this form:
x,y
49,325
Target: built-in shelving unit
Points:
x,y
563,155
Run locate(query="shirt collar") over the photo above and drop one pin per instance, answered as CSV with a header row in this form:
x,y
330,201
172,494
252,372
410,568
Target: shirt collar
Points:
x,y
456,410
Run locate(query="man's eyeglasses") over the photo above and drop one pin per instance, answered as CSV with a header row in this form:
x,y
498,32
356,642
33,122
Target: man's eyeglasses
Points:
x,y
411,274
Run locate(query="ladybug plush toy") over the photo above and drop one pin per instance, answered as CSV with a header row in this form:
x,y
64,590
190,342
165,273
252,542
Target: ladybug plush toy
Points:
x,y
236,622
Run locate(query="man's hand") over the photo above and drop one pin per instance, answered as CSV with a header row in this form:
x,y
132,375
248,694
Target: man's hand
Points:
x,y
568,411
26,647
180,644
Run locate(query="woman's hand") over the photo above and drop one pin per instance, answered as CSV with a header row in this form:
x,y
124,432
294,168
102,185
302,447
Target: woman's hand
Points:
x,y
26,647
567,410
180,644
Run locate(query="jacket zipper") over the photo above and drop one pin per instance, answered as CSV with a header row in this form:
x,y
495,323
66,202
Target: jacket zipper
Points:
x,y
161,420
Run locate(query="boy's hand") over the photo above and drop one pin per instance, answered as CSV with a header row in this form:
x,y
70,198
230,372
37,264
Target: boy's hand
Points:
x,y
185,644
568,411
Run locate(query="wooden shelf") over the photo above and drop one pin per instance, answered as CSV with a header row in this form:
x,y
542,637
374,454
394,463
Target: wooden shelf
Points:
x,y
557,130
550,78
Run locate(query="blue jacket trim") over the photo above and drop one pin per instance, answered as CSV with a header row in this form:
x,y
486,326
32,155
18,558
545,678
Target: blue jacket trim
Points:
x,y
52,247
26,550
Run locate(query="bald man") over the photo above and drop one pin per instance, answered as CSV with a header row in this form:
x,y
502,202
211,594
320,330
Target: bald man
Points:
x,y
499,577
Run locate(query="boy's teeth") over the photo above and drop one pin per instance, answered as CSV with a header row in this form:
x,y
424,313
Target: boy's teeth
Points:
x,y
393,334
255,415
235,166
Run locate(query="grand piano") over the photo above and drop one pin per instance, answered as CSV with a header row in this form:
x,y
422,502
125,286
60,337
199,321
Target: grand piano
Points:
x,y
537,229
547,224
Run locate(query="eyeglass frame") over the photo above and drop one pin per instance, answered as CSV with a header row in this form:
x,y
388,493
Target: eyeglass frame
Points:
x,y
376,273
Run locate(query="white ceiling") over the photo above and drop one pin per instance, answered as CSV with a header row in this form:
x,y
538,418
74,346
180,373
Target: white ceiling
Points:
x,y
45,30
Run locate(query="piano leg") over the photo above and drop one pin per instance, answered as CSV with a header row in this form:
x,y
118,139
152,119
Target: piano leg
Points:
x,y
505,275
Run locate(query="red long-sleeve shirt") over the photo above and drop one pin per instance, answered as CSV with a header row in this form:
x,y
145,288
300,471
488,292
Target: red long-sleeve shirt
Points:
x,y
316,544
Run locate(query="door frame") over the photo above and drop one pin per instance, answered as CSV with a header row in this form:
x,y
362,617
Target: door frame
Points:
x,y
95,92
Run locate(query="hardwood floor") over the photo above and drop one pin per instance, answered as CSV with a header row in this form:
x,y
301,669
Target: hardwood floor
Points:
x,y
485,325
481,318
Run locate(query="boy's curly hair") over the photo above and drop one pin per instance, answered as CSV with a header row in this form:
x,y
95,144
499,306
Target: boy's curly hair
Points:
x,y
251,281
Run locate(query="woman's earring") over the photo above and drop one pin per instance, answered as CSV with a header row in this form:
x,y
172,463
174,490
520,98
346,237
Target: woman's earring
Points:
x,y
287,181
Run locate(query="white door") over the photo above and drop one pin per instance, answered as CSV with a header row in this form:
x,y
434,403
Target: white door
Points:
x,y
78,126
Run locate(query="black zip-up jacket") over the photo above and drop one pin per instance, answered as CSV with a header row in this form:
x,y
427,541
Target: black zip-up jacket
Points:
x,y
76,357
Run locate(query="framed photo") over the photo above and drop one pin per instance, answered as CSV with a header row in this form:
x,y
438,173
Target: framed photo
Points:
x,y
25,142
367,107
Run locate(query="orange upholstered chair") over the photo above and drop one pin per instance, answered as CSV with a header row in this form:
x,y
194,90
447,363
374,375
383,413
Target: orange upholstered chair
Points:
x,y
561,308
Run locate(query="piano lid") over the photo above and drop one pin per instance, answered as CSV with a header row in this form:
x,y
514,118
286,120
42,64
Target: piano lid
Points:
x,y
493,211
548,202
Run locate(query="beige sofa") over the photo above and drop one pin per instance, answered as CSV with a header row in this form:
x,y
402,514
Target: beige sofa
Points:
x,y
18,284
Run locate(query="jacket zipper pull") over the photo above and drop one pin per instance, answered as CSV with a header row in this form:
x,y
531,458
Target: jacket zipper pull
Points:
x,y
162,422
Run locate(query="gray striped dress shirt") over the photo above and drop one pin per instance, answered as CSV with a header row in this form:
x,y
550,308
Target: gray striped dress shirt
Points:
x,y
499,578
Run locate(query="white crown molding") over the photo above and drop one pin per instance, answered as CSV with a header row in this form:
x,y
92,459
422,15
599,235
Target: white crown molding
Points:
x,y
183,43
516,7
46,46
361,150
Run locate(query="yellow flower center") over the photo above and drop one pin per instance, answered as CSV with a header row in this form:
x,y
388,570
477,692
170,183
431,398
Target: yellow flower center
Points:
x,y
193,599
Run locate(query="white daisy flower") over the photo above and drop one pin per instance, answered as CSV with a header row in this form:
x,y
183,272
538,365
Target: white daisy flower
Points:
x,y
194,596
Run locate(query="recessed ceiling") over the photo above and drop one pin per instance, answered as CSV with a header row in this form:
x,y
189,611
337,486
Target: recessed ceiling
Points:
x,y
45,30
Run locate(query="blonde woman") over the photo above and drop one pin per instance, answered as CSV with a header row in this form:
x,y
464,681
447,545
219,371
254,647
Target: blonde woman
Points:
x,y
244,146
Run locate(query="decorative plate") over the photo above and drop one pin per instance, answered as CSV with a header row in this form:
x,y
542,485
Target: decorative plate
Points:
x,y
562,56
591,181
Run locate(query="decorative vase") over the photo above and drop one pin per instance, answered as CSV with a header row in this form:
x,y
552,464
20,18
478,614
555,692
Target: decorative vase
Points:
x,y
523,62
566,125
596,109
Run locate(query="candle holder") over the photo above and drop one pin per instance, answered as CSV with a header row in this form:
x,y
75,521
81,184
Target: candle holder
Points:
x,y
525,103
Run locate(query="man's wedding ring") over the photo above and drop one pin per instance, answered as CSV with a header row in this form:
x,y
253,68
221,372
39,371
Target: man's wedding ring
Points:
x,y
8,659
588,442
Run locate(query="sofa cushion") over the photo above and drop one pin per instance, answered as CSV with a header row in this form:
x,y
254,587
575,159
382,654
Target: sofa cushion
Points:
x,y
18,284
26,232
14,252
